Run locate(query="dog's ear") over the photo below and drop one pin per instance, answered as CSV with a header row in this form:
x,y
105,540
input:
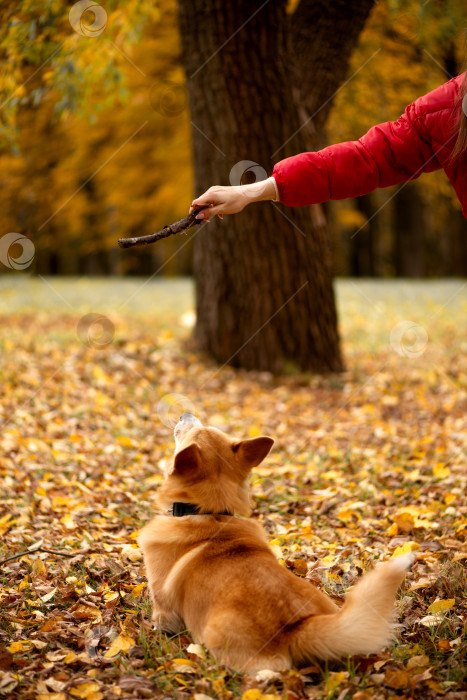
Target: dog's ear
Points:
x,y
187,461
251,452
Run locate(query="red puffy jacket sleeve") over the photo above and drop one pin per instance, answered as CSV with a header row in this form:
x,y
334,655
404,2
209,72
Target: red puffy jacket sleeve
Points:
x,y
388,154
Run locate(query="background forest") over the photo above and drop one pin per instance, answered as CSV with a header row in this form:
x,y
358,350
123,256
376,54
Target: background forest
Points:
x,y
99,147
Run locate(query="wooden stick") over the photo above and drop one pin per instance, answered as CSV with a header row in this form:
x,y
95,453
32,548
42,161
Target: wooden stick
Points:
x,y
177,227
49,551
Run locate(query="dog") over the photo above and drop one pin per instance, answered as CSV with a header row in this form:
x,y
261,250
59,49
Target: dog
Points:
x,y
213,573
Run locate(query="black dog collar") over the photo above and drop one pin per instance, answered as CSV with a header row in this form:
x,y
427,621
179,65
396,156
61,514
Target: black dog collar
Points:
x,y
180,509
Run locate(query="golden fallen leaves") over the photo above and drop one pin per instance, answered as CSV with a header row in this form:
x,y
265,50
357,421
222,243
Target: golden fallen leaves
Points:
x,y
255,694
366,466
89,691
441,605
120,643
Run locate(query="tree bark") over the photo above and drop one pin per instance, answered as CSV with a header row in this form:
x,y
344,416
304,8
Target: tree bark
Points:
x,y
409,227
264,289
322,36
364,244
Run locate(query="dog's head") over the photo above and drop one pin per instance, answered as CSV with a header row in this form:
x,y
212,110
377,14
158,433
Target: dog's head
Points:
x,y
210,469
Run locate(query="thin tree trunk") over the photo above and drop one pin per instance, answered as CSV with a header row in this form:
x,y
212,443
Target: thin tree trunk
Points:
x,y
408,231
459,244
363,246
264,288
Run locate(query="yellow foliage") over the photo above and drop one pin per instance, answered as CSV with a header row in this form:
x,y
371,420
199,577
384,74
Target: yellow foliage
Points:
x,y
79,183
441,471
18,647
120,643
85,690
405,548
441,606
118,160
334,680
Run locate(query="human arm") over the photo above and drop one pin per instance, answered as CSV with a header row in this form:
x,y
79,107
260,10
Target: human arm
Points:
x,y
420,141
387,154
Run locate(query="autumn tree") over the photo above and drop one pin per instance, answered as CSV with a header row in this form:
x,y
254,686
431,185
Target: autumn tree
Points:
x,y
94,135
264,286
76,172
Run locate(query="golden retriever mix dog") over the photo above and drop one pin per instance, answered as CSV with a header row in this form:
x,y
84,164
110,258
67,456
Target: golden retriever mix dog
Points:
x,y
213,572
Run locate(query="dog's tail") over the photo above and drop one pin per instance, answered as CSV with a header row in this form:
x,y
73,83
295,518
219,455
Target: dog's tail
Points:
x,y
362,625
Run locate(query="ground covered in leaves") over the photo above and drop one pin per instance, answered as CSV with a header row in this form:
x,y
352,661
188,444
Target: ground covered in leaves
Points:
x,y
366,464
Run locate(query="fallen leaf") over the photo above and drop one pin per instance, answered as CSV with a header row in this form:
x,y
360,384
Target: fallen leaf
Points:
x,y
120,643
444,645
440,471
441,605
266,675
256,694
183,665
5,523
125,441
38,568
197,650
132,552
397,679
68,521
405,548
137,590
18,647
431,620
48,596
417,661
335,679
86,690
404,521
6,658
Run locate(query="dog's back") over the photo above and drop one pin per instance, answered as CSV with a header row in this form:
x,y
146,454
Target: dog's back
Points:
x,y
216,575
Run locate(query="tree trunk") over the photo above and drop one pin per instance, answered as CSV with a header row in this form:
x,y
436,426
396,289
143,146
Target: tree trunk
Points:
x,y
322,37
264,289
409,226
459,244
363,246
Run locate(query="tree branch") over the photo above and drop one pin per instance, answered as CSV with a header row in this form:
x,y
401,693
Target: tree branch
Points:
x,y
49,551
177,227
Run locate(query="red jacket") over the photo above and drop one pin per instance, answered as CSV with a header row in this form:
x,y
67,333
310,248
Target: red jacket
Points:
x,y
420,141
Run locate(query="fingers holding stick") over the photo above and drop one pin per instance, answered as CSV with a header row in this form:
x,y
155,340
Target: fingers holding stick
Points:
x,y
210,210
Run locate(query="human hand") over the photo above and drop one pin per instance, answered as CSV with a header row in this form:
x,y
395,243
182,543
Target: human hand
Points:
x,y
231,199
220,200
